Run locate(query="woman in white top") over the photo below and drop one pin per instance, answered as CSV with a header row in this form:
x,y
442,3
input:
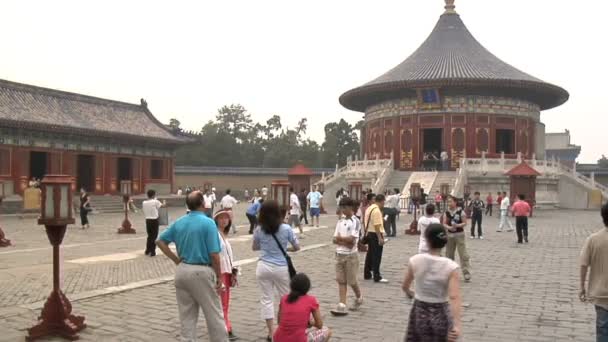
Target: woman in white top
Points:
x,y
435,315
229,272
423,223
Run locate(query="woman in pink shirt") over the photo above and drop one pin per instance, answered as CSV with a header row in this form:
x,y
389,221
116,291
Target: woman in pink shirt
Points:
x,y
521,209
294,315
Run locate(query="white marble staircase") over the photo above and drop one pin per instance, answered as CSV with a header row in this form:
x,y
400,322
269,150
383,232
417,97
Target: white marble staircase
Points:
x,y
425,178
448,177
398,180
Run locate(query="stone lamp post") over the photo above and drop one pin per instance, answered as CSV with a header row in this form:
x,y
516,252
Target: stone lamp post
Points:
x,y
126,227
415,195
56,318
4,242
445,191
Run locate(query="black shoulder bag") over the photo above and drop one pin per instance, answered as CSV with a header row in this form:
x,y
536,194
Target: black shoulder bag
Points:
x,y
292,270
363,240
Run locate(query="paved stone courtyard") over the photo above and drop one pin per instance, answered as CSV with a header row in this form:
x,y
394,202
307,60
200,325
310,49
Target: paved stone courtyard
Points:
x,y
518,293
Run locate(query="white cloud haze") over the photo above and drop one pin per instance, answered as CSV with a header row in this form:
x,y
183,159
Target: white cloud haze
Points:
x,y
293,58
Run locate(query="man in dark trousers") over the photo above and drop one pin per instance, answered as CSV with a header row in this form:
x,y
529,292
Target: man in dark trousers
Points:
x,y
476,208
374,232
303,205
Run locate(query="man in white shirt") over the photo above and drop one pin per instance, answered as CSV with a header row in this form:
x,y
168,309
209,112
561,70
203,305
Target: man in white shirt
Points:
x,y
444,160
213,199
227,203
295,210
391,208
504,213
150,208
346,237
208,199
314,203
179,191
264,192
423,223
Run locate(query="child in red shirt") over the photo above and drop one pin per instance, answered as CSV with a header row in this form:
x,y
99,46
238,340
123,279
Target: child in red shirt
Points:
x,y
521,209
294,315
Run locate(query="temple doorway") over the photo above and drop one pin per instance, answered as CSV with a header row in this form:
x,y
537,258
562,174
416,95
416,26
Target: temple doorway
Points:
x,y
125,169
431,148
38,164
85,168
431,140
505,141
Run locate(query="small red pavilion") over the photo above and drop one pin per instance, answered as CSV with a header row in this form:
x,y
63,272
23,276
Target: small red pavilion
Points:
x,y
523,181
299,177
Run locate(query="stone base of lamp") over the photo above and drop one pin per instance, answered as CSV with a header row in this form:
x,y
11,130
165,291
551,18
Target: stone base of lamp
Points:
x,y
126,227
322,210
56,319
413,230
4,242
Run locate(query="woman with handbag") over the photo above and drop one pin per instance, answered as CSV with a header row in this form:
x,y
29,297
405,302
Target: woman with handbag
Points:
x,y
229,272
85,208
274,269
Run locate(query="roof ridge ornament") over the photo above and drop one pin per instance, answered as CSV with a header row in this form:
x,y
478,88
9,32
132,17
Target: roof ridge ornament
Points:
x,y
450,7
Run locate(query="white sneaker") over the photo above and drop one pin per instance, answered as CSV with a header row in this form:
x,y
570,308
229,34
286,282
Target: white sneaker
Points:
x,y
340,310
356,304
472,236
481,238
383,281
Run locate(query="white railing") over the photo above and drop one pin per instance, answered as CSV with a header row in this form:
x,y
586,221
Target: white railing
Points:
x,y
550,168
383,178
461,178
357,169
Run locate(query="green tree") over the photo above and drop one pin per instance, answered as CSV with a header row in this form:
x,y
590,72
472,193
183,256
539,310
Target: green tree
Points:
x,y
603,162
341,142
235,121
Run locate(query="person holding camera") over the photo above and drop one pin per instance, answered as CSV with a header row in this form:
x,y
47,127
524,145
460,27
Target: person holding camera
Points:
x,y
228,272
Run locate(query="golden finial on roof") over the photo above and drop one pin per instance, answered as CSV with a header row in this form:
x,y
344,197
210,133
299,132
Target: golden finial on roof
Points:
x,y
449,7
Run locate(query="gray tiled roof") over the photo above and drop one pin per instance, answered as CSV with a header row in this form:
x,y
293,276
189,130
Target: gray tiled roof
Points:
x,y
452,57
23,105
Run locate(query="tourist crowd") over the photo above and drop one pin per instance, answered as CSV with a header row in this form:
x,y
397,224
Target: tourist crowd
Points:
x,y
206,271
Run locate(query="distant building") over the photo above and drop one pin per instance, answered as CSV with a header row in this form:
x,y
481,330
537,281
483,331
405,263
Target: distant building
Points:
x,y
107,146
558,146
452,95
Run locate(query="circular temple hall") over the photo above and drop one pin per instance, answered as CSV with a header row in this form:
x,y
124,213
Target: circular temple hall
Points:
x,y
452,95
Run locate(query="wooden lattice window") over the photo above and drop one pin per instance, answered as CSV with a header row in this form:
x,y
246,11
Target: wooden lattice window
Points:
x,y
458,139
5,162
482,140
157,169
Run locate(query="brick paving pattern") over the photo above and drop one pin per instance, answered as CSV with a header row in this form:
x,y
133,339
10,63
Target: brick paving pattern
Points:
x,y
518,293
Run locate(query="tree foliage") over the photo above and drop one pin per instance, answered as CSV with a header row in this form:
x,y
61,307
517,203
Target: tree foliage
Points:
x,y
233,139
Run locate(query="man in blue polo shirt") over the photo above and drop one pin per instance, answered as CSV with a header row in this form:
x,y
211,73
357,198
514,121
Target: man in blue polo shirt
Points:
x,y
197,277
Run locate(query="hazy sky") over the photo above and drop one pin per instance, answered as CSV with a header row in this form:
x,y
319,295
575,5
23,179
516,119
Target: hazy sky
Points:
x,y
293,58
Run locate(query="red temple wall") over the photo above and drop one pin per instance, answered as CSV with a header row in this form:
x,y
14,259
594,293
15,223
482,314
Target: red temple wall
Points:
x,y
464,135
65,162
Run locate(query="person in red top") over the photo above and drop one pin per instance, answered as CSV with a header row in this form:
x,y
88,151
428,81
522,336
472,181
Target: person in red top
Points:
x,y
489,204
521,209
498,200
294,315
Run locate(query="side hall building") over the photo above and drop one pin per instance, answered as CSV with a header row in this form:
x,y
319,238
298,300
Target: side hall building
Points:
x,y
108,147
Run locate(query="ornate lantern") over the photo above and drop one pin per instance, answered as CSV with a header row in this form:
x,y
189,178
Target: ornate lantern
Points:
x,y
467,191
415,195
445,191
415,192
4,242
126,227
56,203
55,214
